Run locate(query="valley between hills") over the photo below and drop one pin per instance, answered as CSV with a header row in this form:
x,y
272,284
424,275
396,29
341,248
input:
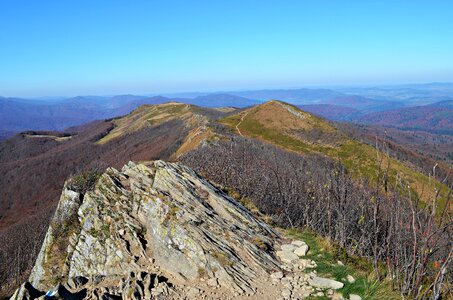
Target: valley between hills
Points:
x,y
175,201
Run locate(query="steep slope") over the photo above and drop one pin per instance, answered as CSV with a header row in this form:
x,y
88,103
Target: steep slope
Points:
x,y
423,149
149,132
284,188
287,126
160,213
158,230
35,165
195,120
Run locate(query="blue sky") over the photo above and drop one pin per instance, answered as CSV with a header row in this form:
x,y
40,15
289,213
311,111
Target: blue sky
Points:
x,y
112,47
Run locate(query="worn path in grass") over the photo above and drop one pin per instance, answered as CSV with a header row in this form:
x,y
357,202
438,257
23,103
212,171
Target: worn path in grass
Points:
x,y
242,119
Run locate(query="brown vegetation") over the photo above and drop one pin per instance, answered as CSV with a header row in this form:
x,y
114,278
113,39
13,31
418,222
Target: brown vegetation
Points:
x,y
430,118
405,243
435,146
366,216
34,171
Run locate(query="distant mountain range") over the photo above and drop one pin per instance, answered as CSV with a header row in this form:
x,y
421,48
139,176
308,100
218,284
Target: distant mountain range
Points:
x,y
331,112
409,94
434,118
363,105
18,115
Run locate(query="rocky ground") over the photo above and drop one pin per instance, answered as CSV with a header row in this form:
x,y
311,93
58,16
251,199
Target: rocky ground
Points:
x,y
293,281
296,282
160,231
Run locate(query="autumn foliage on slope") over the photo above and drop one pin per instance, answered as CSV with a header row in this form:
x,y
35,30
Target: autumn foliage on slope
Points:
x,y
35,169
404,242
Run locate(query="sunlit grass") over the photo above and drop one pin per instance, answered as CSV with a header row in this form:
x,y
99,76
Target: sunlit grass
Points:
x,y
358,158
326,256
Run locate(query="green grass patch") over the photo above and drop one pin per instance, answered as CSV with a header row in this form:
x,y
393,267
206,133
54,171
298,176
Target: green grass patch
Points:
x,y
358,158
326,256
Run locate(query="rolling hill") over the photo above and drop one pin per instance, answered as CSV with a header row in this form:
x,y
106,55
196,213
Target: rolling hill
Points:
x,y
168,131
18,115
288,127
148,133
221,100
274,154
363,104
446,103
409,94
35,164
59,113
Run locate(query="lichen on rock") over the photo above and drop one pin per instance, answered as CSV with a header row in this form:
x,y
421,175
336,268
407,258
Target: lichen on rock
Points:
x,y
155,218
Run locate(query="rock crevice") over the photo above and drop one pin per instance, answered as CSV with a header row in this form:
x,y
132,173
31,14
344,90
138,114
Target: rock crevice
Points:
x,y
158,218
158,230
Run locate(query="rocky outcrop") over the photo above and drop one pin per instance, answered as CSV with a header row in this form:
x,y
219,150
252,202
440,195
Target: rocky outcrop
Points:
x,y
157,230
148,224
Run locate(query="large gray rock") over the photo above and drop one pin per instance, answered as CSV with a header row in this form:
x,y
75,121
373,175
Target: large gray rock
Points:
x,y
51,261
324,283
302,250
288,247
298,243
287,256
153,218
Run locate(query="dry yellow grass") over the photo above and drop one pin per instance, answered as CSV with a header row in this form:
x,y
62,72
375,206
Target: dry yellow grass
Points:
x,y
147,115
281,116
278,123
193,140
152,115
226,109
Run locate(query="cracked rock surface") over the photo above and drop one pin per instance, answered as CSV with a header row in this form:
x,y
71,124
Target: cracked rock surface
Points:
x,y
158,230
154,218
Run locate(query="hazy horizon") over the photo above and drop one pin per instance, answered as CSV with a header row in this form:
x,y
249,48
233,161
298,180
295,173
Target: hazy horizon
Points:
x,y
104,48
216,91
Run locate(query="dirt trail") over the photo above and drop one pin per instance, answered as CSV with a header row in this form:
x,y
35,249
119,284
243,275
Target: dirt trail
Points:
x,y
237,125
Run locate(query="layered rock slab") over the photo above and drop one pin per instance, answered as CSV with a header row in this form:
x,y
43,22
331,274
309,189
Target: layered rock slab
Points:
x,y
158,218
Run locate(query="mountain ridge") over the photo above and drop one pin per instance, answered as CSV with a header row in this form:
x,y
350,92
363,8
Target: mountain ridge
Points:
x,y
212,141
305,134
